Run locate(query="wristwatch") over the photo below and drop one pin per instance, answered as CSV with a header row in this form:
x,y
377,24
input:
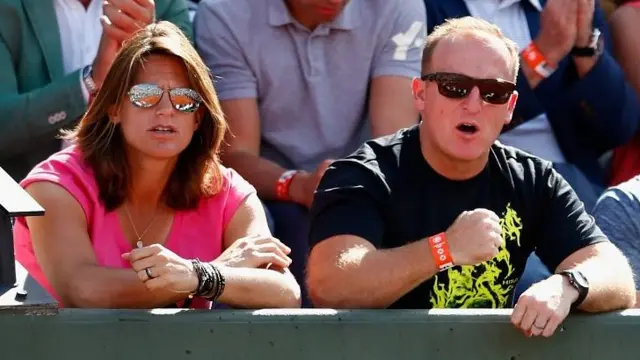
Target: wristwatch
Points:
x,y
88,82
579,282
595,47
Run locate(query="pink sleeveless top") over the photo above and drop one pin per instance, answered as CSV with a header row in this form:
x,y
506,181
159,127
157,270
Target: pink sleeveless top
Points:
x,y
194,234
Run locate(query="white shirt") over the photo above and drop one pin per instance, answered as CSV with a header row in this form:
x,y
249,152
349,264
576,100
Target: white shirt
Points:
x,y
534,136
80,33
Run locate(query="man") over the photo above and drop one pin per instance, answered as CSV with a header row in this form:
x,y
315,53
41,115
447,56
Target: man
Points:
x,y
442,216
575,104
303,82
54,55
617,213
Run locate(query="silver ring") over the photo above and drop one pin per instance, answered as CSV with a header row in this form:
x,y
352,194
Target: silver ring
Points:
x,y
539,327
148,271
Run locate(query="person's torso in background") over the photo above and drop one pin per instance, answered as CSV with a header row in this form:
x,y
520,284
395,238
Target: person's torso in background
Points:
x,y
535,135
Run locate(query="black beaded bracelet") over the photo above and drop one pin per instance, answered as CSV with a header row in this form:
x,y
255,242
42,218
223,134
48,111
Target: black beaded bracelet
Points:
x,y
211,283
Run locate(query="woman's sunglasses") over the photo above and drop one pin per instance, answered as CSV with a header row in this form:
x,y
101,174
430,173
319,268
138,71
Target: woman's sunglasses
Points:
x,y
148,95
458,86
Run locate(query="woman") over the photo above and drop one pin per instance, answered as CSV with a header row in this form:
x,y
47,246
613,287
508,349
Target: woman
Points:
x,y
139,212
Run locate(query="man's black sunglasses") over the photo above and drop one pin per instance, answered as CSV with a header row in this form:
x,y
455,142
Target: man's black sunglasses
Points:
x,y
458,86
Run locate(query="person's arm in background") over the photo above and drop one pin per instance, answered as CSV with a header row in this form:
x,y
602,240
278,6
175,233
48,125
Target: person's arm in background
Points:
x,y
625,21
236,86
397,61
26,115
617,213
237,90
596,89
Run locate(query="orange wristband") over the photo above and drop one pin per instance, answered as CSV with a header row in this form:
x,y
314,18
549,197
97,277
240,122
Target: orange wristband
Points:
x,y
283,184
440,251
536,61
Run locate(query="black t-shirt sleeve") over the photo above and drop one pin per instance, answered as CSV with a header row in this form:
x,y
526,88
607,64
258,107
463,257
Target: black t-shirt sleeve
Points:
x,y
349,201
564,225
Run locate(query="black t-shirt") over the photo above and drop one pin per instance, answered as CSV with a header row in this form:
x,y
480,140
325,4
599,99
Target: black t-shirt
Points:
x,y
388,194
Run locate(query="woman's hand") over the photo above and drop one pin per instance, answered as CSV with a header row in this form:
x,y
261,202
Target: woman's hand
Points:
x,y
256,251
158,267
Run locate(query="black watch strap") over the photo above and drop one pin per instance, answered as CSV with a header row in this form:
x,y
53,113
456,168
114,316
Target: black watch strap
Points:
x,y
594,48
580,283
583,51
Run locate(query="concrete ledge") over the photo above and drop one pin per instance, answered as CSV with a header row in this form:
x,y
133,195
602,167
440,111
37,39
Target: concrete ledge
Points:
x,y
310,334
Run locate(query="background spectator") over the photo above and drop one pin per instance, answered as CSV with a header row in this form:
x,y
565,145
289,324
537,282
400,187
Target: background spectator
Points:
x,y
144,180
52,55
617,212
302,82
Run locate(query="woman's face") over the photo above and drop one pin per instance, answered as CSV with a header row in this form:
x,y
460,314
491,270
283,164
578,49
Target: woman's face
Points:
x,y
158,130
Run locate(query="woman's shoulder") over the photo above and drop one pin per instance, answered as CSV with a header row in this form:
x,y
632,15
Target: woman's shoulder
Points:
x,y
67,169
233,183
234,189
66,162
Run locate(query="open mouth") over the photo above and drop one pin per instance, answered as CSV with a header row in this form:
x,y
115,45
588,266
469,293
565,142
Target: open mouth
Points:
x,y
467,128
163,129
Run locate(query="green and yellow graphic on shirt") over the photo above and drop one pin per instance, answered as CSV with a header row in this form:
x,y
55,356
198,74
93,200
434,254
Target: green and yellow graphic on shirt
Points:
x,y
486,285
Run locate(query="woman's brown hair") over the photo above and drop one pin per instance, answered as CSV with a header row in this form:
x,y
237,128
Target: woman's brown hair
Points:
x,y
197,171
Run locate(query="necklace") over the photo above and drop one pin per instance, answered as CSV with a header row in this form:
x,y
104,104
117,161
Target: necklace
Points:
x,y
138,236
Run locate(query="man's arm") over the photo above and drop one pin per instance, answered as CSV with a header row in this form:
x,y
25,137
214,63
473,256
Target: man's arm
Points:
x,y
243,151
347,271
397,61
346,268
609,274
569,238
617,214
35,113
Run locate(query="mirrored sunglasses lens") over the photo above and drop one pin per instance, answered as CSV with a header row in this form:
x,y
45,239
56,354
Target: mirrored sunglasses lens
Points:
x,y
145,96
185,100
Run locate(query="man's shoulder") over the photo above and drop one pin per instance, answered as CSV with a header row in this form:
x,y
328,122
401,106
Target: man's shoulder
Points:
x,y
392,142
631,186
382,154
625,194
514,157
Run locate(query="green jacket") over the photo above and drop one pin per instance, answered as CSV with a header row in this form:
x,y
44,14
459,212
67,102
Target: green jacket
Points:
x,y
36,98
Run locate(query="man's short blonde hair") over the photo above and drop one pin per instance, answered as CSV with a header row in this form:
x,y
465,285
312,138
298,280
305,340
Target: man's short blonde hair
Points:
x,y
473,26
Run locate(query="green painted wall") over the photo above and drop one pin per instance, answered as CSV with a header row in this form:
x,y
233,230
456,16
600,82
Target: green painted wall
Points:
x,y
312,334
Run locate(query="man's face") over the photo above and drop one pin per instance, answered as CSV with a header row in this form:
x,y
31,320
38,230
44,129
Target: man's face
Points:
x,y
318,11
463,125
